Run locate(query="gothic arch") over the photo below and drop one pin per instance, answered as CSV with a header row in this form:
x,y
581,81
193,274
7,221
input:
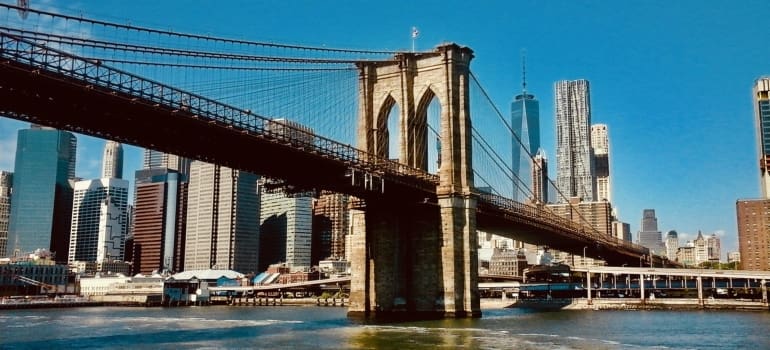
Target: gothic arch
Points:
x,y
382,137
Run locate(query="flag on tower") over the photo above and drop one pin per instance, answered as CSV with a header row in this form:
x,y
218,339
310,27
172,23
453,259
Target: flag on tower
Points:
x,y
415,32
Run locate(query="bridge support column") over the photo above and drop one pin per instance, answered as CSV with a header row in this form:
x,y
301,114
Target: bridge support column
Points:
x,y
699,283
588,283
459,258
395,261
641,287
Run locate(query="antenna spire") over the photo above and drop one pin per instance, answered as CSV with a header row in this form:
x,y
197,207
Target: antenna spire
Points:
x,y
524,71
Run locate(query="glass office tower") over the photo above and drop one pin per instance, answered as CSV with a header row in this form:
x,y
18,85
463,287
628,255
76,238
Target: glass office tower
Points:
x,y
42,193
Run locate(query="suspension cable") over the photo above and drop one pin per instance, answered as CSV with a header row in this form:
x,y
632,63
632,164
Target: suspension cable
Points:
x,y
194,36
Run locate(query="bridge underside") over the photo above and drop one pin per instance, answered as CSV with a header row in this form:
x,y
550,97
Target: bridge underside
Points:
x,y
64,103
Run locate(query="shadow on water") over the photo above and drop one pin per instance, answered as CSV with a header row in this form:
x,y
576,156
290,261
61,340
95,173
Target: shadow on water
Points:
x,y
444,333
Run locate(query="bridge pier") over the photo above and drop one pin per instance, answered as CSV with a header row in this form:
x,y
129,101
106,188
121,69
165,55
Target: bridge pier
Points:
x,y
417,259
395,262
459,257
414,263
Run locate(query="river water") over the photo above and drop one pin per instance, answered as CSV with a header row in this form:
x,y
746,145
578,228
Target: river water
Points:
x,y
311,327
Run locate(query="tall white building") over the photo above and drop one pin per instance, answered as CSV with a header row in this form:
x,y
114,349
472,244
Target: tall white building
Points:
x,y
574,159
99,220
286,224
222,219
672,245
701,248
600,143
112,161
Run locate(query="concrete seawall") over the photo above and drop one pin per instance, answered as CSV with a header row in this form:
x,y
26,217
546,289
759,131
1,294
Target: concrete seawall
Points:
x,y
666,304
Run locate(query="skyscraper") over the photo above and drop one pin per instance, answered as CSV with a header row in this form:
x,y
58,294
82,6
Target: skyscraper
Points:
x,y
601,149
753,236
525,121
574,160
540,178
285,230
112,161
99,220
222,219
41,209
156,159
714,248
158,225
649,236
762,120
6,181
672,245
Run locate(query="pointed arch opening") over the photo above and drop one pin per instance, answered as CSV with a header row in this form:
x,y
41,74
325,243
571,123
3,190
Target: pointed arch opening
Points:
x,y
388,130
428,133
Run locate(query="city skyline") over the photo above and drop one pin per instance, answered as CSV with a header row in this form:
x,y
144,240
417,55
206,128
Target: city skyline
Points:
x,y
676,95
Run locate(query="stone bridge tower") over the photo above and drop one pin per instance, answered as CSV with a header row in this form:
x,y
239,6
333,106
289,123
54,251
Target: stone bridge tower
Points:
x,y
419,260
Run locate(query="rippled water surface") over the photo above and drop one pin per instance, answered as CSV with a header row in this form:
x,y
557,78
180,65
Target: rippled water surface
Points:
x,y
287,327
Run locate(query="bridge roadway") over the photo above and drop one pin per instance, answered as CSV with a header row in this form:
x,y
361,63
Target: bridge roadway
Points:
x,y
54,88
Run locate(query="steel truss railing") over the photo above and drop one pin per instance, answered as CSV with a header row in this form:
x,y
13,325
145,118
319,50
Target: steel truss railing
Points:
x,y
545,217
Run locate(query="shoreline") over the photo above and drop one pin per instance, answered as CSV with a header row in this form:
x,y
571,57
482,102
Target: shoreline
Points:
x,y
637,304
485,304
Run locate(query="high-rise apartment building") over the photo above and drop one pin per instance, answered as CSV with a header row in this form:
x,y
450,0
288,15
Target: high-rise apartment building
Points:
x,y
285,230
574,160
112,161
600,143
525,121
753,235
762,120
158,224
6,183
99,220
222,219
540,178
650,236
41,209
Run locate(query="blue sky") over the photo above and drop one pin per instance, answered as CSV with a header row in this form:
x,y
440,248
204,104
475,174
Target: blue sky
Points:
x,y
672,79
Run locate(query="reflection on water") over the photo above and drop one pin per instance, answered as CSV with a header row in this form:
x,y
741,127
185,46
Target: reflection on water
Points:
x,y
329,328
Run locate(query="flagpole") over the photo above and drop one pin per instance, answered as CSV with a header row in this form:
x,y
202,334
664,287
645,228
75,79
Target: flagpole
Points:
x,y
414,36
